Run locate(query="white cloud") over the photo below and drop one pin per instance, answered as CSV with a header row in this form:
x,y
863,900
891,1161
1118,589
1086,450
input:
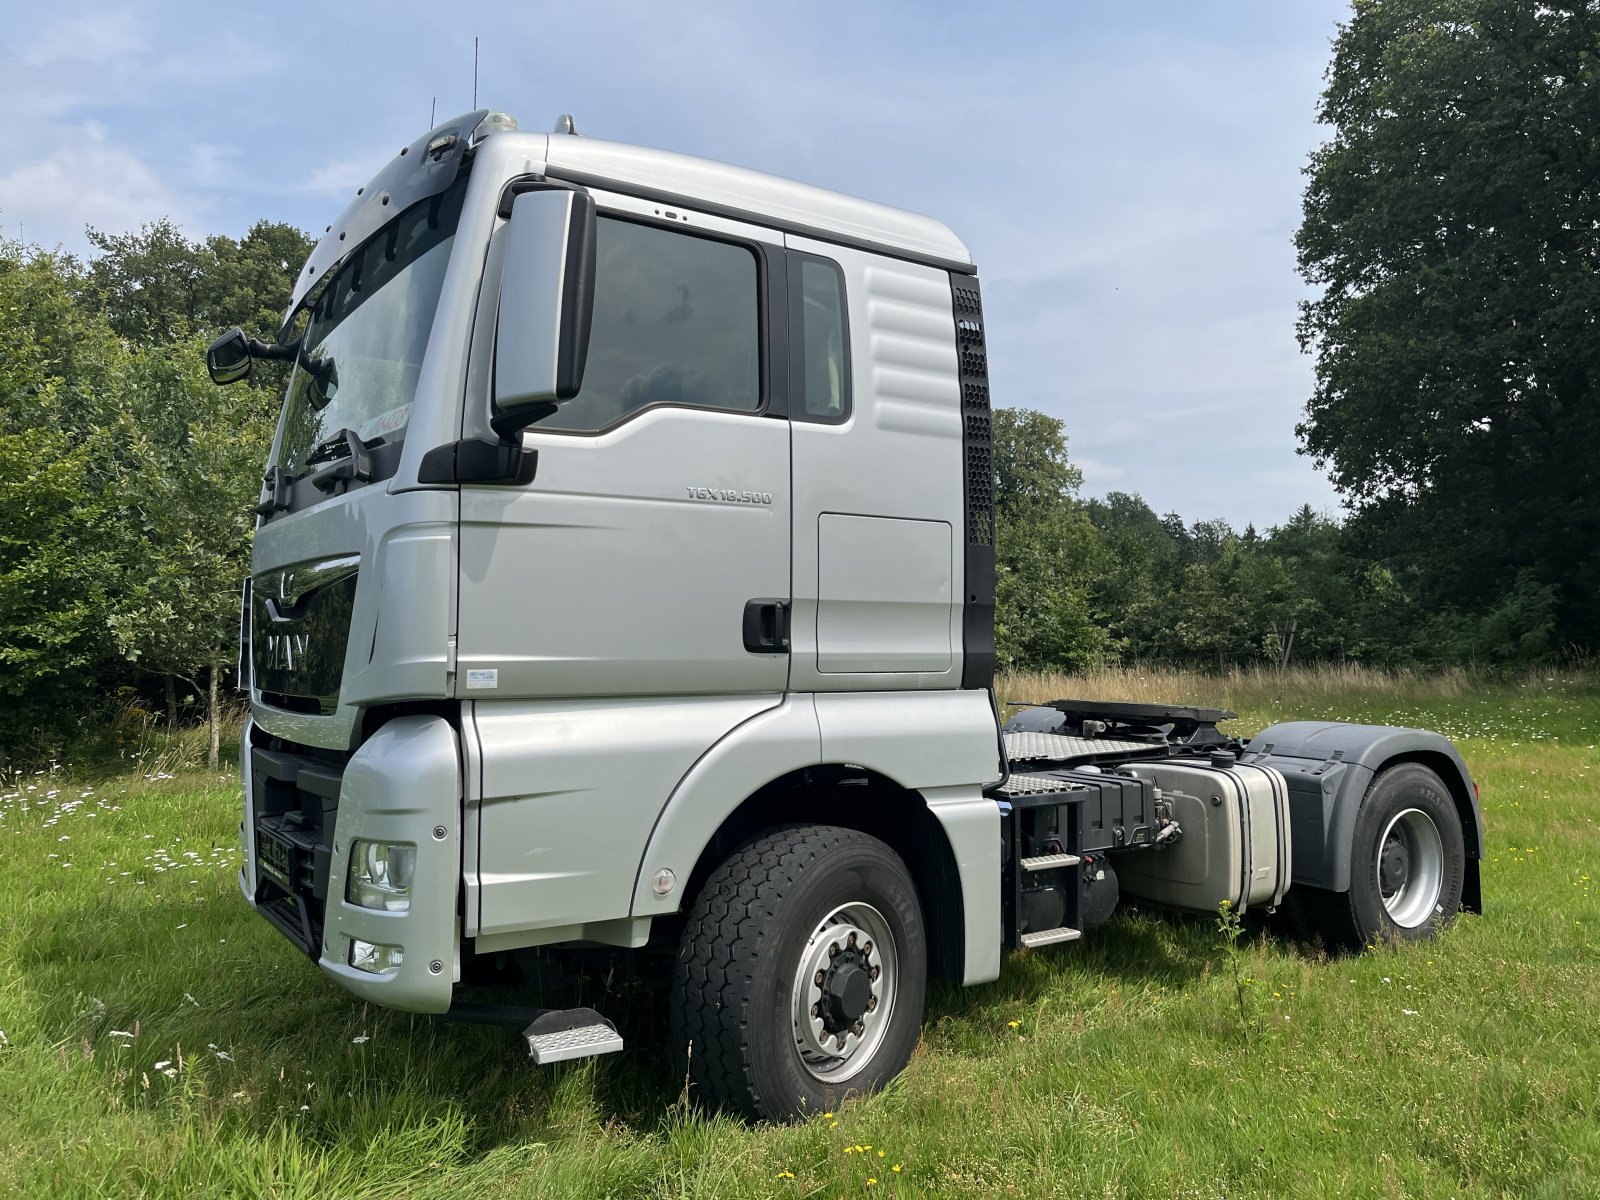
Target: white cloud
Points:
x,y
87,180
342,176
97,39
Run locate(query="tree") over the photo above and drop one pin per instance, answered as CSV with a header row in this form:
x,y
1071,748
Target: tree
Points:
x,y
192,452
158,288
60,378
1045,549
1452,223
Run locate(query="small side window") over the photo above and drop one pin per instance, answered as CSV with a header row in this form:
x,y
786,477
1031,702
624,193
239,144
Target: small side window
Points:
x,y
821,380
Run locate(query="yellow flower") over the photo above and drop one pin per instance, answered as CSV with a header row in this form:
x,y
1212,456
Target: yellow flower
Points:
x,y
1013,1024
895,1168
880,1153
785,1174
871,1181
826,1116
833,1125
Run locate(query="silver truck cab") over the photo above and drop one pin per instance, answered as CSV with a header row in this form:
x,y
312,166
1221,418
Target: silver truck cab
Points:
x,y
536,670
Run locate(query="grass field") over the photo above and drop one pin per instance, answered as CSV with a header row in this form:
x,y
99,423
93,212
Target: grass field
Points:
x,y
159,1039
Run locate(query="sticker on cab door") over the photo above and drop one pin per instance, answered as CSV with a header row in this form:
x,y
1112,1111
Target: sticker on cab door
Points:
x,y
489,678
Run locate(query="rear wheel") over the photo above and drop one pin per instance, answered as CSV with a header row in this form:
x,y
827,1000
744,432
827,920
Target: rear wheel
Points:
x,y
1407,864
802,974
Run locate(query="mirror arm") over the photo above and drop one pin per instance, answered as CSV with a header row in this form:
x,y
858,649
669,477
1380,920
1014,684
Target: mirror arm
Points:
x,y
509,424
273,351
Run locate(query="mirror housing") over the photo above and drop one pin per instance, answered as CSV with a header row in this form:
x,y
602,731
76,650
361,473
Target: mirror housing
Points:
x,y
228,358
546,304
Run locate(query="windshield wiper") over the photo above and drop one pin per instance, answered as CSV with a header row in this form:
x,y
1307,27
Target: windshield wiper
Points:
x,y
354,465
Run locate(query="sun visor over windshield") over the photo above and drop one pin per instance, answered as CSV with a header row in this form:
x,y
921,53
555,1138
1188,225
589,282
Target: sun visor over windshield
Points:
x,y
414,174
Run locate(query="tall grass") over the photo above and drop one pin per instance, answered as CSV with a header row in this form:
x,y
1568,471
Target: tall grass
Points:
x,y
158,1039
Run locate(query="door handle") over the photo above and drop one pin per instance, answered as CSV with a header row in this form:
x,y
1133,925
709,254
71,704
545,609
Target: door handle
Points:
x,y
766,626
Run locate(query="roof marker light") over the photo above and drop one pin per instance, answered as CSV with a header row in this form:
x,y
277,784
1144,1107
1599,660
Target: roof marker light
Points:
x,y
495,122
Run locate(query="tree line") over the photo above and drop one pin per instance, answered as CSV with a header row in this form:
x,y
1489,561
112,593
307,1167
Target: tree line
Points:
x,y
1451,233
127,479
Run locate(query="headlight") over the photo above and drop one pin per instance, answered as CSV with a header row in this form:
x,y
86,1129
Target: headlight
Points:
x,y
379,960
380,875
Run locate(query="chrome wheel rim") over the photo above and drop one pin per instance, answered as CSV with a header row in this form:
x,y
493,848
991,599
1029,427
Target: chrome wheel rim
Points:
x,y
1410,868
844,991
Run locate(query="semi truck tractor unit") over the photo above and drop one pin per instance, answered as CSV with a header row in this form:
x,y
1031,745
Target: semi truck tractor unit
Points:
x,y
624,577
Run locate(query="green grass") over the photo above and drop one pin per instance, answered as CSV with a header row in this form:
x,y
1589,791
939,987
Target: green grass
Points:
x,y
1118,1066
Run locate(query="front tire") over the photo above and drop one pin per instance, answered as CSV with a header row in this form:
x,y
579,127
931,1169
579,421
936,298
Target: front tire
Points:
x,y
802,974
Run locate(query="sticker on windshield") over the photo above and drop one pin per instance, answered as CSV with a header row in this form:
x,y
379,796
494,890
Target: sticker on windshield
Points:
x,y
385,423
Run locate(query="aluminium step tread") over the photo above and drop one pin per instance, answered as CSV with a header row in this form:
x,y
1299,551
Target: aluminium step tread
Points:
x,y
1024,784
1051,937
1049,862
1027,746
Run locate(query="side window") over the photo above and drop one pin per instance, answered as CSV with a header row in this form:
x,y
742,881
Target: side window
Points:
x,y
822,371
676,321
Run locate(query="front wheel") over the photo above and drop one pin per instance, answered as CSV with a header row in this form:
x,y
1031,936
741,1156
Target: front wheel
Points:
x,y
802,973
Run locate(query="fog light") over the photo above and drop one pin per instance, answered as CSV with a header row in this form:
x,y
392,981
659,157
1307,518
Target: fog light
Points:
x,y
379,960
380,875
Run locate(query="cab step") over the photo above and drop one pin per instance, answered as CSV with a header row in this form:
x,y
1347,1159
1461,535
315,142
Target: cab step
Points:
x,y
1050,937
1049,862
567,1033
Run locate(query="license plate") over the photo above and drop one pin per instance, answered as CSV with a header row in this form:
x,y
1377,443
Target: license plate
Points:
x,y
275,856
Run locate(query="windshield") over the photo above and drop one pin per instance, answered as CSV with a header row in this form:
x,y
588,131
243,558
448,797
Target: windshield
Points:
x,y
365,333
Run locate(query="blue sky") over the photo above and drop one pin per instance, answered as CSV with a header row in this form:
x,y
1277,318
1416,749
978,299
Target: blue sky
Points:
x,y
1128,175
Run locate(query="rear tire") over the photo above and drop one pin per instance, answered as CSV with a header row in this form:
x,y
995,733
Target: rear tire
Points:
x,y
1407,865
753,1027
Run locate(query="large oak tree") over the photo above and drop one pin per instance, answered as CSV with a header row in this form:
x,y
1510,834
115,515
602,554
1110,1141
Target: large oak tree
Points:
x,y
1452,227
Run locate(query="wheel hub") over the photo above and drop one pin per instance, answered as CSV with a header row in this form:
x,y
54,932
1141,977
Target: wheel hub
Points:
x,y
844,991
1411,868
1395,866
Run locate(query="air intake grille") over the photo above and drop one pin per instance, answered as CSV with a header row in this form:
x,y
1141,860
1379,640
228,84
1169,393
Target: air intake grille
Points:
x,y
977,428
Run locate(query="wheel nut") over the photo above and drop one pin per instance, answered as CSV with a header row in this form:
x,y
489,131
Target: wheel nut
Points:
x,y
816,1010
841,1041
858,1028
873,974
852,939
833,950
866,948
872,1004
818,979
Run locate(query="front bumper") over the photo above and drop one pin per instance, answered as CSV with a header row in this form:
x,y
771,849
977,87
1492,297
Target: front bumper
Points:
x,y
302,811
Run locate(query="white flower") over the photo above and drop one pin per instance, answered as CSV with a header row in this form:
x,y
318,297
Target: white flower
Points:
x,y
224,1056
1410,1012
120,1033
163,1064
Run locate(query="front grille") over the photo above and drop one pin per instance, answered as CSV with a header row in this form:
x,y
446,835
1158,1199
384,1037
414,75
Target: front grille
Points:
x,y
295,802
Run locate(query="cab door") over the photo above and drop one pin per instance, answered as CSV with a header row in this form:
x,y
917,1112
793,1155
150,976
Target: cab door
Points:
x,y
650,555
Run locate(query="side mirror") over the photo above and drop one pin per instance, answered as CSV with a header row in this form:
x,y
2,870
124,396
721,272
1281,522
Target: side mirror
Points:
x,y
546,304
228,358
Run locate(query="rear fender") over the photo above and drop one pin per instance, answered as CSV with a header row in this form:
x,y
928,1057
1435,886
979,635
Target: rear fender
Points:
x,y
1330,766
